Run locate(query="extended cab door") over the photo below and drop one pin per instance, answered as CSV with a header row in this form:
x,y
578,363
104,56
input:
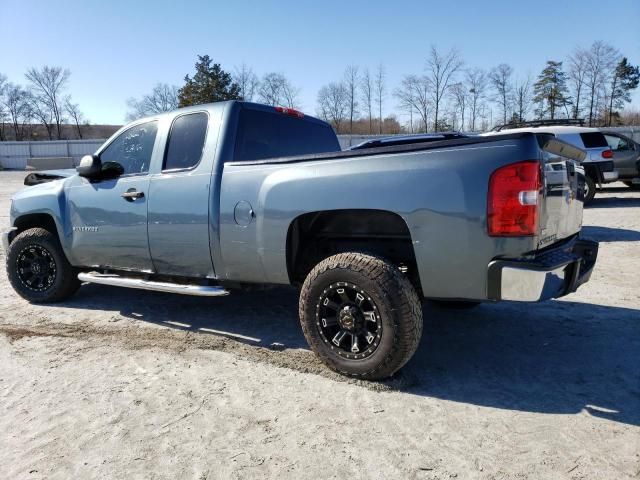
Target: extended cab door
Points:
x,y
108,217
179,198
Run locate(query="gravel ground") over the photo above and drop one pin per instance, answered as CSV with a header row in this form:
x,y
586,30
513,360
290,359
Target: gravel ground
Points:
x,y
131,384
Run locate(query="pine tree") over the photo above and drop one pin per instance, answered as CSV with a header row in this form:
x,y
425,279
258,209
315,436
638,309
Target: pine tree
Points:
x,y
210,84
551,89
625,78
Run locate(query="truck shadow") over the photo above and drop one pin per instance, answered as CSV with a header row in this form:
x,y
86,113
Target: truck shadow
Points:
x,y
627,200
558,357
608,234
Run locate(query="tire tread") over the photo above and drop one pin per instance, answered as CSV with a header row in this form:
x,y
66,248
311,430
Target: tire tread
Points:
x,y
407,332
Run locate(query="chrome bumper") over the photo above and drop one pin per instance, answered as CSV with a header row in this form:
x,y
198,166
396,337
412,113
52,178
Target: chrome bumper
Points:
x,y
5,238
550,274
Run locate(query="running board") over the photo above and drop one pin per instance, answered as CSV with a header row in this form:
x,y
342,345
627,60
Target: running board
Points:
x,y
132,282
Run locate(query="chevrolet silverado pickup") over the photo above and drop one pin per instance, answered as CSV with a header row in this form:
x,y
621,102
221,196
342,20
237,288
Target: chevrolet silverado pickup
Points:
x,y
211,198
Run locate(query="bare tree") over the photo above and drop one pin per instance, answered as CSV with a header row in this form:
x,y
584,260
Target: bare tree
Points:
x,y
522,98
441,71
247,80
577,76
3,112
291,95
333,104
460,99
380,92
73,110
48,84
404,94
414,95
351,79
600,62
43,114
500,79
366,88
163,98
275,89
17,103
476,81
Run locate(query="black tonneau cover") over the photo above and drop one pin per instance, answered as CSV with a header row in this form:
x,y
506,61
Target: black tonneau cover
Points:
x,y
401,149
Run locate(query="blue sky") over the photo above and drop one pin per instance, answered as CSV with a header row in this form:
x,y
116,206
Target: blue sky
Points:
x,y
119,49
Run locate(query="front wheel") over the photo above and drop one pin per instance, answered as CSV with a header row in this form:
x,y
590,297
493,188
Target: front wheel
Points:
x,y
360,315
38,269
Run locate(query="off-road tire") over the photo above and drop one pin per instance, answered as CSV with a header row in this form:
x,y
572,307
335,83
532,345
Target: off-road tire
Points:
x,y
65,282
590,189
397,303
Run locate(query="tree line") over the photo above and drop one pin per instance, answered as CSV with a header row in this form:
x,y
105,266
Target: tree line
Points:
x,y
211,83
593,83
41,100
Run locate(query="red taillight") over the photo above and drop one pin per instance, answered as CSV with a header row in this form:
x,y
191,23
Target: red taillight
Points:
x,y
512,204
607,154
290,111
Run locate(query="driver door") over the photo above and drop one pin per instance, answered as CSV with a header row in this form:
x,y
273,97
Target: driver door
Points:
x,y
109,216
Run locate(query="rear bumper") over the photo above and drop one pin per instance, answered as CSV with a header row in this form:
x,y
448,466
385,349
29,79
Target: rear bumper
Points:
x,y
550,274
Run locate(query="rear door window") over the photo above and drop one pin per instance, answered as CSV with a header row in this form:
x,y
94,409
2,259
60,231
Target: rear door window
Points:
x,y
186,141
593,140
263,135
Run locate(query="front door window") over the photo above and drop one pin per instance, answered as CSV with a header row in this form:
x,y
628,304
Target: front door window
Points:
x,y
132,149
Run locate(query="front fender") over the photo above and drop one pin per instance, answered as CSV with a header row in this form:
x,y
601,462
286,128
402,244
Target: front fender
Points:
x,y
43,199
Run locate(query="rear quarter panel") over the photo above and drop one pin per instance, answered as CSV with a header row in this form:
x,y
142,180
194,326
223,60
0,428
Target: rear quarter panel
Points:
x,y
440,194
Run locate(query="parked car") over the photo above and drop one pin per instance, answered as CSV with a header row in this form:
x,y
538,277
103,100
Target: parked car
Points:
x,y
626,158
598,164
206,199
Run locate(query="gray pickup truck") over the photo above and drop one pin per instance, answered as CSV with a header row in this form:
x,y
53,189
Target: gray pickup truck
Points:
x,y
215,197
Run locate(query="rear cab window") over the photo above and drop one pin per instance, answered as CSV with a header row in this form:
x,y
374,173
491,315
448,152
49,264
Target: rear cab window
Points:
x,y
186,141
270,134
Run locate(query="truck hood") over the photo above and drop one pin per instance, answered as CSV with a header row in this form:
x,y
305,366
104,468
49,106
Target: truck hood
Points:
x,y
36,178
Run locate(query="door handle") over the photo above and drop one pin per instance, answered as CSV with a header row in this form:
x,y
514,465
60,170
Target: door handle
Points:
x,y
132,194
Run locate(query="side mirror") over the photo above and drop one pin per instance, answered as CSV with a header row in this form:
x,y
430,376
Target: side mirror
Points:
x,y
89,167
111,170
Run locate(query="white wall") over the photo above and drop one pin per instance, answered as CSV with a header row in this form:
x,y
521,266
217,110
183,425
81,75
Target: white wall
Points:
x,y
16,155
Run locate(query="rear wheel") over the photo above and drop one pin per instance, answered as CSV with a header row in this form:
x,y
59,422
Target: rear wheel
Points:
x,y
360,315
38,269
589,189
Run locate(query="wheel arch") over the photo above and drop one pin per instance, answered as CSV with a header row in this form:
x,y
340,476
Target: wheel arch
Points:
x,y
314,236
33,220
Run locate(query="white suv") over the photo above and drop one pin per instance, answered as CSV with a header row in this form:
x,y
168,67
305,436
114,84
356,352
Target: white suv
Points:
x,y
598,164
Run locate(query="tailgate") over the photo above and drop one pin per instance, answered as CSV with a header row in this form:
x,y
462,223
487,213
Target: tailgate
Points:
x,y
563,191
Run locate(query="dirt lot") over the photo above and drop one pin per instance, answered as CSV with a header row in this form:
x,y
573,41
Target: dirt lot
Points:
x,y
132,384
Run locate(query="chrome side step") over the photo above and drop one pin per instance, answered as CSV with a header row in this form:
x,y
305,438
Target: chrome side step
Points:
x,y
132,282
